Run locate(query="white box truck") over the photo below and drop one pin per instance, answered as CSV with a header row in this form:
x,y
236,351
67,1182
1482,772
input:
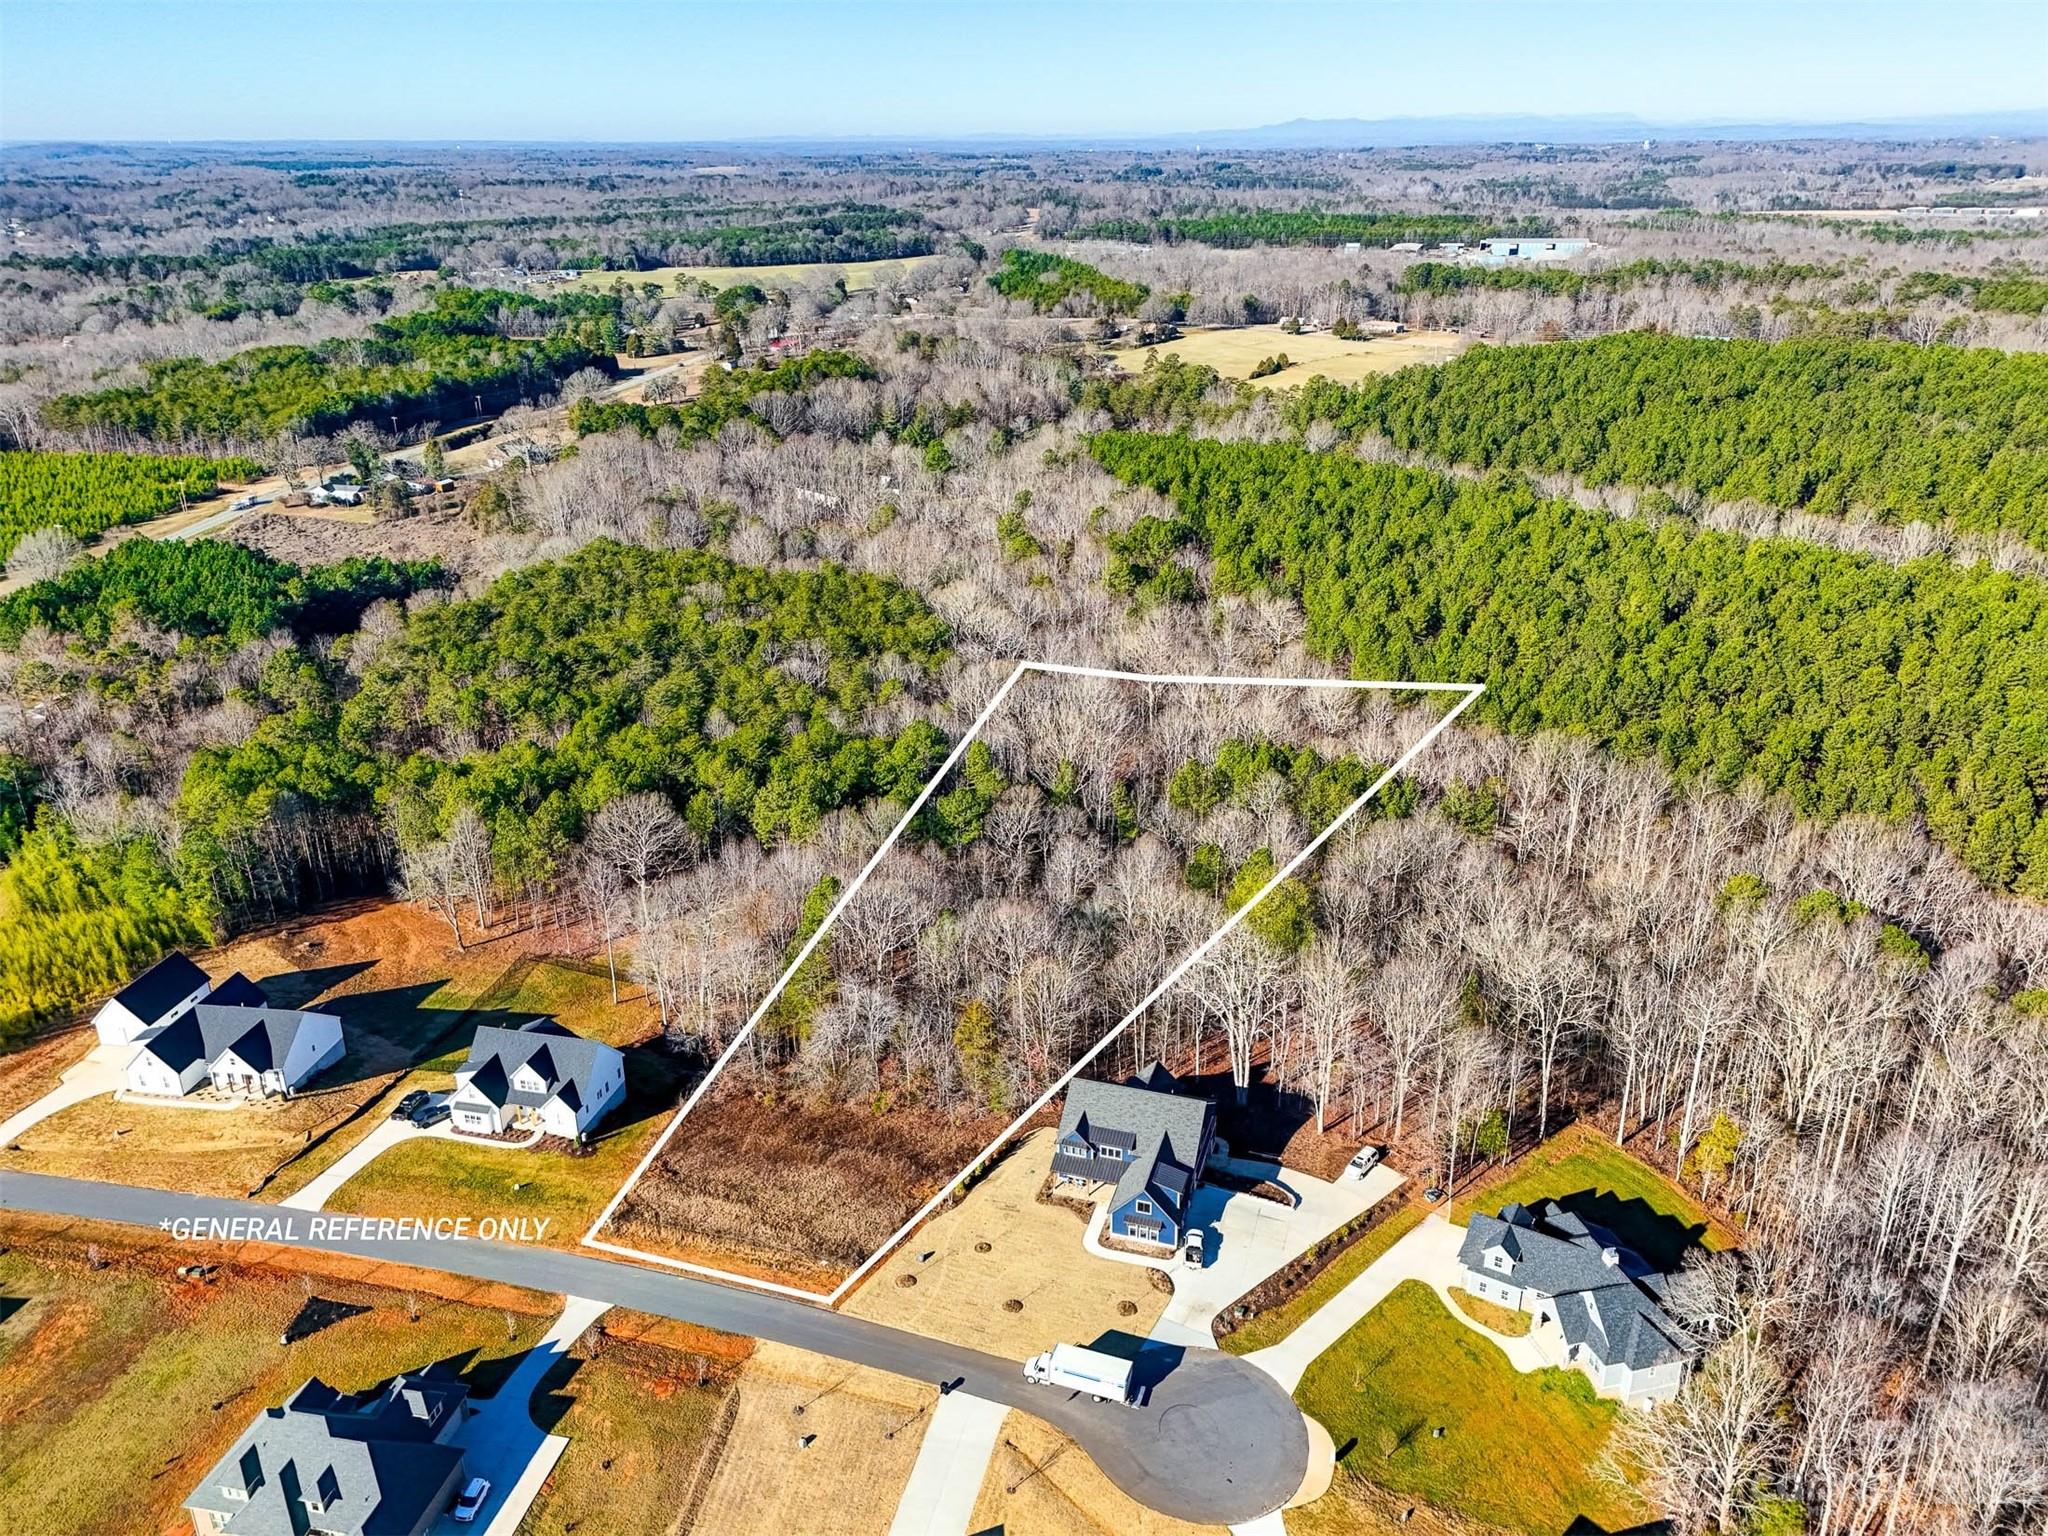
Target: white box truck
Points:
x,y
1101,1376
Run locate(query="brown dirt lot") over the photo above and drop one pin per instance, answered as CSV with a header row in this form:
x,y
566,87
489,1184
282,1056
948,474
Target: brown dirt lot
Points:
x,y
1034,1256
29,1073
846,1482
1039,1483
799,1191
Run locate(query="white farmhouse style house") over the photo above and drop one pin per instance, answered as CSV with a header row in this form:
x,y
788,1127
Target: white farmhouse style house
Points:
x,y
540,1077
227,1038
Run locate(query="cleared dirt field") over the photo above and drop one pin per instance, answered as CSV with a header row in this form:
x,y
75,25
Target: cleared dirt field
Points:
x,y
807,274
797,1191
1234,353
1033,1255
120,1384
845,1482
409,1002
1039,1483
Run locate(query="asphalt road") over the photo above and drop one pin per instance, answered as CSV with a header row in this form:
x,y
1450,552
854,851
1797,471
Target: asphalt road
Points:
x,y
1214,1441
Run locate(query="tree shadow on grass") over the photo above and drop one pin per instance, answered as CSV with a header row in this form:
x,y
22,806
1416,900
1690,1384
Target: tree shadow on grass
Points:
x,y
1585,1527
299,989
1660,1241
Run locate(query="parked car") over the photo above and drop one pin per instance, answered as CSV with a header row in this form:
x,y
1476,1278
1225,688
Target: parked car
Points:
x,y
472,1501
1368,1158
433,1112
1191,1251
410,1105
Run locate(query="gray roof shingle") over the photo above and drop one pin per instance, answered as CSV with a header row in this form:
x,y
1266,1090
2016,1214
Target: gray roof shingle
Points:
x,y
1612,1308
565,1061
333,1462
1161,1133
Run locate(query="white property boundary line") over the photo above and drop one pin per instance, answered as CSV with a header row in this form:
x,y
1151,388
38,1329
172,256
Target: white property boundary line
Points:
x,y
1469,692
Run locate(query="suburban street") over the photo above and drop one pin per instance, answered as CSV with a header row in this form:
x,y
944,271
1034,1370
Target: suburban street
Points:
x,y
1214,1440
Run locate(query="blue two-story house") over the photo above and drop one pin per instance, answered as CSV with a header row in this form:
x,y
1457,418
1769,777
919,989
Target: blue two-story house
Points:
x,y
1144,1139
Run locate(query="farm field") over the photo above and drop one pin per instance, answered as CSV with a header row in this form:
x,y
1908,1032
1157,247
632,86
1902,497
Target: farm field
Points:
x,y
121,1384
1033,1254
1516,1450
815,274
1234,353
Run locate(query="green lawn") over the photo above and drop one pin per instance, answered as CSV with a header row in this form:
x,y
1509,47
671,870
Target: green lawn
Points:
x,y
1275,1323
120,1387
1517,1451
478,1179
1587,1173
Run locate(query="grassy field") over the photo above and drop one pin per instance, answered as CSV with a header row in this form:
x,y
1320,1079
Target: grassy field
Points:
x,y
1516,1450
639,1418
121,1385
1001,1243
1234,353
1275,1323
1582,1169
807,274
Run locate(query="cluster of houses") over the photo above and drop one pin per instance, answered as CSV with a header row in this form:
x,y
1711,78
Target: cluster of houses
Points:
x,y
1594,1305
228,1043
1500,252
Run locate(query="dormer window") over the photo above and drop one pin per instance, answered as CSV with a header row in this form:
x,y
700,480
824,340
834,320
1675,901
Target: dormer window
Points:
x,y
1114,1154
1498,1261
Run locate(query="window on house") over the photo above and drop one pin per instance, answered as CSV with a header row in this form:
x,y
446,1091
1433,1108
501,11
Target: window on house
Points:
x,y
1143,1207
1114,1154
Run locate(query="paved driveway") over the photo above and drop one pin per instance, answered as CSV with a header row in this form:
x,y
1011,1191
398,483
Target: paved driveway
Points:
x,y
501,1442
1247,1238
103,1069
1212,1440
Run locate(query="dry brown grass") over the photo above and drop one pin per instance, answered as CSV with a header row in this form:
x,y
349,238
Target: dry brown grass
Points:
x,y
29,1073
1234,353
1039,1483
1034,1254
799,1191
847,1482
1354,1507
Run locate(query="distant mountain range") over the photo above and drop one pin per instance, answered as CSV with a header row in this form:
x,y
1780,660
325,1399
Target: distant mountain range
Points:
x,y
1469,128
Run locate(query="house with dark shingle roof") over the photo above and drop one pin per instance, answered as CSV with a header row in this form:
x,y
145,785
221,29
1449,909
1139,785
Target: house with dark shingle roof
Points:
x,y
248,1049
159,995
375,1464
1146,1141
1594,1303
541,1077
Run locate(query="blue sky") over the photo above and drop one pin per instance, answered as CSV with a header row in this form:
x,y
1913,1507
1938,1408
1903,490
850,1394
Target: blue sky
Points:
x,y
629,70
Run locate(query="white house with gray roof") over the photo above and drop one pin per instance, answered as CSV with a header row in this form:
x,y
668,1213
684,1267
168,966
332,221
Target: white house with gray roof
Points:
x,y
151,1000
327,1462
1145,1140
1595,1304
540,1077
232,1041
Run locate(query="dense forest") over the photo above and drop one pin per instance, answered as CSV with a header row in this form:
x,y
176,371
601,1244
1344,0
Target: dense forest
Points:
x,y
87,493
1309,226
1044,280
439,362
725,396
1952,435
1851,685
